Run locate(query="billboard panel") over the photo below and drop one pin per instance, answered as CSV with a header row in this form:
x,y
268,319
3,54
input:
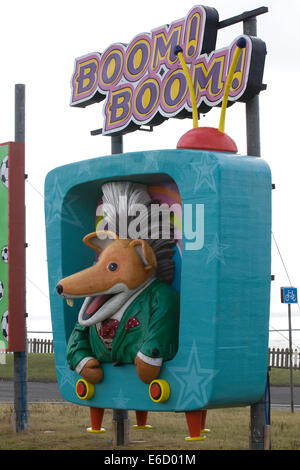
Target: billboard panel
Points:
x,y
4,246
12,242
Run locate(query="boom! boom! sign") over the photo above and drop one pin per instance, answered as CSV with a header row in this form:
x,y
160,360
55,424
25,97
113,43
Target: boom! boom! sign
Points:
x,y
142,83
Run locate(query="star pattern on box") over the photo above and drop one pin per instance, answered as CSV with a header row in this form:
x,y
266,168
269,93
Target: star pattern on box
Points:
x,y
120,400
66,376
193,380
204,171
65,211
215,250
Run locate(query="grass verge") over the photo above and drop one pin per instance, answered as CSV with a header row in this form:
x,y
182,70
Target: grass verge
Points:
x,y
41,367
63,427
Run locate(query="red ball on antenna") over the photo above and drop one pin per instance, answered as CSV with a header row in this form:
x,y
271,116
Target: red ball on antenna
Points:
x,y
207,138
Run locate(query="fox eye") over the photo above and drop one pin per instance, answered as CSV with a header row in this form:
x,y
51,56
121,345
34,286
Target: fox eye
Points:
x,y
112,266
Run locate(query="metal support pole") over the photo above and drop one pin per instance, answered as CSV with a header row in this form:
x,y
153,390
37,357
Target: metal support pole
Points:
x,y
257,413
120,417
253,129
121,426
252,106
116,144
258,422
21,415
291,358
20,113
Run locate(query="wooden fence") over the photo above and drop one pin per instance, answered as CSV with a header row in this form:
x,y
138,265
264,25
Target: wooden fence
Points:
x,y
279,358
35,345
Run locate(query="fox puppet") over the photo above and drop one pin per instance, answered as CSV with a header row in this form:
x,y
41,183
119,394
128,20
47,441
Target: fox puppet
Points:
x,y
130,313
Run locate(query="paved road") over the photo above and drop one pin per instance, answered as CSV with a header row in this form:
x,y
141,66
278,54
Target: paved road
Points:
x,y
39,392
281,397
36,392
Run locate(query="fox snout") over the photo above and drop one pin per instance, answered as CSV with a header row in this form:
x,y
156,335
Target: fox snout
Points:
x,y
123,261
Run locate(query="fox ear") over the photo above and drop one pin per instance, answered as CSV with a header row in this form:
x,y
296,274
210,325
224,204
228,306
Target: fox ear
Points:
x,y
145,252
99,240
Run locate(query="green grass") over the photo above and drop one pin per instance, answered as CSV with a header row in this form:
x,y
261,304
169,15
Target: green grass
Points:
x,y
282,377
63,427
41,367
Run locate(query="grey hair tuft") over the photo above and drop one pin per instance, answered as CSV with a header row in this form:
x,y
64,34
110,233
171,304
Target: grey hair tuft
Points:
x,y
118,198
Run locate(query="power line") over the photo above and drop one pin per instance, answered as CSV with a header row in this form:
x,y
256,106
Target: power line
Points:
x,y
37,287
283,336
33,187
281,259
286,271
283,263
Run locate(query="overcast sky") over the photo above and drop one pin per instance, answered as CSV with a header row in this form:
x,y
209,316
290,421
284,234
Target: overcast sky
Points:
x,y
39,43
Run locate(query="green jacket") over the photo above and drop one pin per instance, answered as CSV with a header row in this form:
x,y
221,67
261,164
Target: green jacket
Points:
x,y
157,311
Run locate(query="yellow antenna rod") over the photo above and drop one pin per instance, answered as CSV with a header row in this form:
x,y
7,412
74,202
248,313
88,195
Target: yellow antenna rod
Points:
x,y
178,51
241,44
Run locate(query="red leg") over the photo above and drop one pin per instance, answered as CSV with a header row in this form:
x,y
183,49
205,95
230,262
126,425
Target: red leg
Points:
x,y
96,420
203,422
141,419
203,419
194,422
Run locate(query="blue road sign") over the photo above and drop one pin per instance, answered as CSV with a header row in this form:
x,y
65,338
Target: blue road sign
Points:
x,y
289,295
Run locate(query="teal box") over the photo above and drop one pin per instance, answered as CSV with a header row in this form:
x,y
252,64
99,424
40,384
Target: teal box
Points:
x,y
223,275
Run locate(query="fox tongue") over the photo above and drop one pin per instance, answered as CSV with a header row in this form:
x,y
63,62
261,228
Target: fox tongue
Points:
x,y
96,303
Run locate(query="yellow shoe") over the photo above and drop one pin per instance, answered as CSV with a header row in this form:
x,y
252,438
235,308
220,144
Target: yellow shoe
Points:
x,y
96,431
146,426
198,438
